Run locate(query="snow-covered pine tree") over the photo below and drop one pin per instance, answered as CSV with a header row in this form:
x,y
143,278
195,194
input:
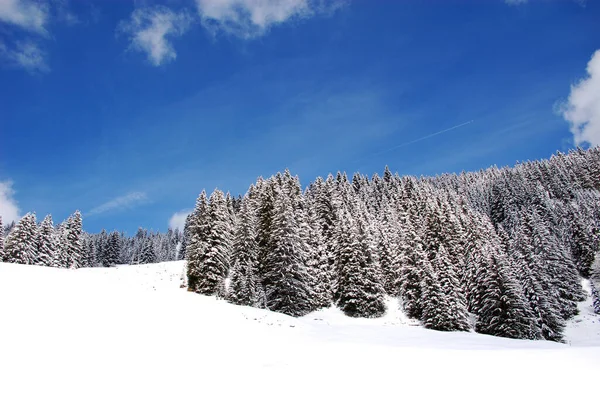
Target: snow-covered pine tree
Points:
x,y
214,262
20,245
181,254
284,273
502,309
112,250
318,265
60,247
387,250
414,261
147,254
1,241
89,257
243,284
73,231
359,292
46,243
595,298
436,310
197,241
452,311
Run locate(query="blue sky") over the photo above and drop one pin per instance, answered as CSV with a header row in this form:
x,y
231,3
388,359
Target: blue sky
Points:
x,y
126,110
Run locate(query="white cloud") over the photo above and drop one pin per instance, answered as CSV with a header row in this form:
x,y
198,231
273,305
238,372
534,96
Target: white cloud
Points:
x,y
26,14
26,55
150,30
582,109
251,18
119,203
177,221
9,209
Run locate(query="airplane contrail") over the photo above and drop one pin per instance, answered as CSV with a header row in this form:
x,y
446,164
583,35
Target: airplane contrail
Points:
x,y
423,138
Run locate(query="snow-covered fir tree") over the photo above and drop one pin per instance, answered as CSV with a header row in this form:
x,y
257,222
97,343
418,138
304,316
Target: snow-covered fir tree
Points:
x,y
505,248
1,240
284,274
73,232
20,245
359,291
215,249
244,278
46,243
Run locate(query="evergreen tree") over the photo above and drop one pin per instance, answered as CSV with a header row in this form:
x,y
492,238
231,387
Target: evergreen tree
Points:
x,y
46,243
595,299
198,241
450,313
360,292
112,250
244,277
214,262
320,271
284,273
20,245
414,262
1,240
74,250
147,254
89,258
502,309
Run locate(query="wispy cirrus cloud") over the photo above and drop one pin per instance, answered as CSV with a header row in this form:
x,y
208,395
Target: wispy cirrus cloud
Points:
x,y
151,30
28,15
28,21
582,109
123,202
251,18
27,55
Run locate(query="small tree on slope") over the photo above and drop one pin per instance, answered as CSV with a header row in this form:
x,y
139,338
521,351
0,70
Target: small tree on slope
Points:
x,y
285,275
242,289
595,299
1,240
73,241
452,313
20,245
360,292
46,243
215,260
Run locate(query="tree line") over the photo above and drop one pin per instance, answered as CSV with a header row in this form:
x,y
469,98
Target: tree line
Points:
x,y
501,251
68,246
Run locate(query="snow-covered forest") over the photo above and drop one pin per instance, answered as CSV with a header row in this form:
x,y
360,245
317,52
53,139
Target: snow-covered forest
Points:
x,y
67,245
501,251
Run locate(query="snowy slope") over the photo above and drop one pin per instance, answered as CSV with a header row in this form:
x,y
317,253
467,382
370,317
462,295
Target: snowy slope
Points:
x,y
131,332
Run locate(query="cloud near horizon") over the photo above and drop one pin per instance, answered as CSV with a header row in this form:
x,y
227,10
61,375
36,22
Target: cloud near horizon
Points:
x,y
124,202
9,209
177,221
582,109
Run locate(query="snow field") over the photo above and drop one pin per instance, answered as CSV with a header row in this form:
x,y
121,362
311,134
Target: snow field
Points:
x,y
130,331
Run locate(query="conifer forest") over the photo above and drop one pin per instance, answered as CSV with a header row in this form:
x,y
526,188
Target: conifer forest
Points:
x,y
500,251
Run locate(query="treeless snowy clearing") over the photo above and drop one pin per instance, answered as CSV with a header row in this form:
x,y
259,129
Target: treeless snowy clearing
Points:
x,y
130,331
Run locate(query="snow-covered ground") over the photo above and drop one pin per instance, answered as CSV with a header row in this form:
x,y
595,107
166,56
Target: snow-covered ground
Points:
x,y
130,332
